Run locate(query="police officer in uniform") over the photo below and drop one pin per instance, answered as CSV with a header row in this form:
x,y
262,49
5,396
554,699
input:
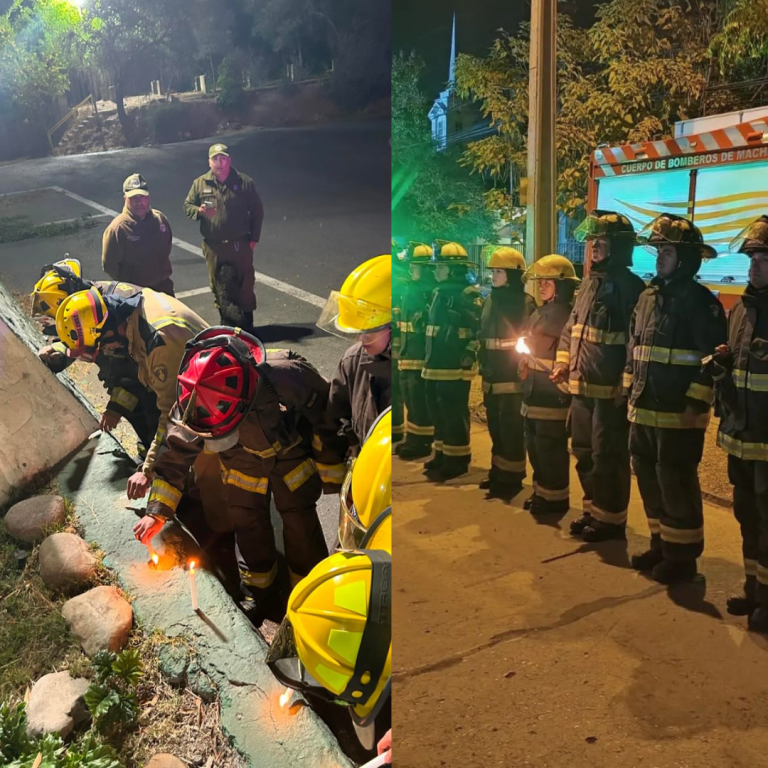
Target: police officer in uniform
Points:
x,y
450,359
136,247
591,359
740,370
231,213
677,322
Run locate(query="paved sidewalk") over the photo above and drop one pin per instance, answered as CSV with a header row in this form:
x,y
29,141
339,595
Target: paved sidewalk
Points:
x,y
518,645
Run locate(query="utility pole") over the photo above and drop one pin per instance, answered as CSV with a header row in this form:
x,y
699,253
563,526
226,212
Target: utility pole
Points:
x,y
542,162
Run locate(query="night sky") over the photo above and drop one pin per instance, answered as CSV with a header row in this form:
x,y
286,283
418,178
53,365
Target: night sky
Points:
x,y
425,26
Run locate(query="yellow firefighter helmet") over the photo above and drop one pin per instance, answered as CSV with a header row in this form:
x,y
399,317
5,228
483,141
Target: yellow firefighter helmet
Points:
x,y
57,282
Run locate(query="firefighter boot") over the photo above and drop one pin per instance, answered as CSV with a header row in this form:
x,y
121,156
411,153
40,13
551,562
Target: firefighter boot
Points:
x,y
648,560
596,532
453,471
758,620
412,452
674,571
529,502
485,485
578,525
746,603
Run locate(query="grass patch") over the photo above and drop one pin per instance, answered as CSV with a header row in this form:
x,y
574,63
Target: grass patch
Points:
x,y
15,228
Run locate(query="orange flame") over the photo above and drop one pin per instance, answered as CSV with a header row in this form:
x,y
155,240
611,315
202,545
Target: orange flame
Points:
x,y
522,347
285,697
155,559
191,566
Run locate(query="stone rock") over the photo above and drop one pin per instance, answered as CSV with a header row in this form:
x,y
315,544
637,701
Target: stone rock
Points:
x,y
27,520
164,760
66,561
100,619
200,683
173,661
56,704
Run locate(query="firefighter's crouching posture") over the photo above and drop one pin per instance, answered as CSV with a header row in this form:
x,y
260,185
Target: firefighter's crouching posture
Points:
x,y
676,323
153,328
264,415
450,360
591,358
741,374
545,403
128,397
501,325
412,326
361,387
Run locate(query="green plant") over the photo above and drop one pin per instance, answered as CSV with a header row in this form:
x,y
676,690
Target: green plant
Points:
x,y
111,698
14,741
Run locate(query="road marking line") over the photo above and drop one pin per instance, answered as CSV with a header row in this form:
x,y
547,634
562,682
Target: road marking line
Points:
x,y
194,292
272,282
70,221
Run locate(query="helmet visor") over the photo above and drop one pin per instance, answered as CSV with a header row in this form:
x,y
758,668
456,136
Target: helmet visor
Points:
x,y
590,228
753,237
664,230
347,318
351,530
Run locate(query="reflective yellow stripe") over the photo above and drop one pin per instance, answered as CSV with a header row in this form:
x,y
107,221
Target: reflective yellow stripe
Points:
x,y
164,322
562,494
599,391
596,336
667,356
317,442
330,473
60,347
700,392
545,414
654,525
750,567
457,450
742,450
464,333
398,429
563,356
626,380
415,429
165,493
438,445
681,536
503,387
123,398
433,330
762,574
298,476
755,382
246,482
506,465
258,580
266,454
499,343
666,420
409,365
611,518
448,374
404,327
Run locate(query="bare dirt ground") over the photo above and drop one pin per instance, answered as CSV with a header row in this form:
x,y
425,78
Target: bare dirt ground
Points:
x,y
519,646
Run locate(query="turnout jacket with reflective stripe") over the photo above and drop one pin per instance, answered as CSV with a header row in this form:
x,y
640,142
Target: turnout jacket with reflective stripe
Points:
x,y
452,326
743,391
157,332
286,431
542,398
674,326
399,287
412,326
501,325
594,340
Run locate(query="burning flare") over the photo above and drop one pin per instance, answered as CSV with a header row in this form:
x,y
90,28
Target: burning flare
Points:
x,y
155,559
522,347
285,697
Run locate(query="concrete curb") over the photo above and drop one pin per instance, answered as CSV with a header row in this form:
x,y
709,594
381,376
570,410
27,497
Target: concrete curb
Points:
x,y
228,649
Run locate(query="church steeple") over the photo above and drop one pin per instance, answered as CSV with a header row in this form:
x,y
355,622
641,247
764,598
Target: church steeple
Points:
x,y
452,68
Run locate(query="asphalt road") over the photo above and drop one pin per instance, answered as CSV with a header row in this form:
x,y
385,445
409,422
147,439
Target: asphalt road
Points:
x,y
326,193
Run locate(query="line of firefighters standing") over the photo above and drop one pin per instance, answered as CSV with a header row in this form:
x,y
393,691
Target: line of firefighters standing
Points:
x,y
630,372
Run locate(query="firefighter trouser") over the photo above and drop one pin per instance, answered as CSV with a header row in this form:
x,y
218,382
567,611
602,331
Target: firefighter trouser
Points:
x,y
239,254
507,428
419,431
295,487
547,443
448,404
599,438
666,463
143,417
398,422
750,505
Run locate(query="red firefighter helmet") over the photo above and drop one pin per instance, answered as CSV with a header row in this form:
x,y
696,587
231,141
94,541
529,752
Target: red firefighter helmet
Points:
x,y
217,381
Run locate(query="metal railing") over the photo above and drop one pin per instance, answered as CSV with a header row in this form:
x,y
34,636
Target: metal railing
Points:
x,y
74,112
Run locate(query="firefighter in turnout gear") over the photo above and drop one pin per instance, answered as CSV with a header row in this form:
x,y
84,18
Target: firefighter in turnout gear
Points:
x,y
450,360
676,323
591,360
128,397
152,328
413,338
361,388
545,403
399,287
501,325
264,414
740,370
